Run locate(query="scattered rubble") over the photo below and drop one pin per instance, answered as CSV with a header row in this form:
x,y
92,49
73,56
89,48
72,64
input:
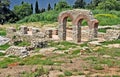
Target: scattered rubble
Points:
x,y
17,51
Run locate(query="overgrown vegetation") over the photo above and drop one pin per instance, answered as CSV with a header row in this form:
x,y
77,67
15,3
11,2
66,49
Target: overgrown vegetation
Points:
x,y
113,17
63,45
2,32
111,42
4,47
22,43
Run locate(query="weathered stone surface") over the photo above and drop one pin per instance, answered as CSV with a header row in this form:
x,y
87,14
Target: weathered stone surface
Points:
x,y
4,40
17,51
112,34
23,30
94,43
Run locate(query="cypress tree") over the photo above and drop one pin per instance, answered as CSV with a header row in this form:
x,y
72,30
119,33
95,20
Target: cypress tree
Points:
x,y
49,7
36,7
32,7
79,4
22,2
54,5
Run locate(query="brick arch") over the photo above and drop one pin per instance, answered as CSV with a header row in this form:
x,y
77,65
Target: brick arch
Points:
x,y
77,15
62,16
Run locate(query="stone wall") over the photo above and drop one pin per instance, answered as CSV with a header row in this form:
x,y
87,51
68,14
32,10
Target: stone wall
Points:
x,y
112,34
32,35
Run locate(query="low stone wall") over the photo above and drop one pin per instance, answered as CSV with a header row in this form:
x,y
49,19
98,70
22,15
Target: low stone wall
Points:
x,y
101,35
28,34
112,34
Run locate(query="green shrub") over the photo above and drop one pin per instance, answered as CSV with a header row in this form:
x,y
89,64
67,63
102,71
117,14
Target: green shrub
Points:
x,y
98,67
2,54
68,73
107,19
76,52
22,43
61,75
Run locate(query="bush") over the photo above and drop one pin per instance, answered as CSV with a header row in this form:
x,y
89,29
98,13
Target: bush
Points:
x,y
107,19
2,54
98,67
68,73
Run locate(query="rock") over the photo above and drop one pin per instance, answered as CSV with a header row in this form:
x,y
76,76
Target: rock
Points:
x,y
4,40
94,43
114,46
17,51
106,56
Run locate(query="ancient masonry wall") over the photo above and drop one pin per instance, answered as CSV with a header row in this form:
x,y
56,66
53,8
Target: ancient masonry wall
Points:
x,y
112,34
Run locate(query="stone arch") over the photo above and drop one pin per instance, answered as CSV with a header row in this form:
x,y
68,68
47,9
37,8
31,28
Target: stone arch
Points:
x,y
62,16
77,15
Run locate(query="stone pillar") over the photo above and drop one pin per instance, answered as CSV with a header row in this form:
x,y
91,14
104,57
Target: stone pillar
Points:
x,y
77,33
49,33
91,33
23,29
62,30
93,29
95,32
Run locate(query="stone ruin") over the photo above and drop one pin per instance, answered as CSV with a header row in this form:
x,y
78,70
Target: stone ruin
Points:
x,y
35,36
77,16
29,34
112,33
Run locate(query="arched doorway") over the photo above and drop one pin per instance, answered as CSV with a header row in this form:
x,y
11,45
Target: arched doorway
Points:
x,y
62,31
77,16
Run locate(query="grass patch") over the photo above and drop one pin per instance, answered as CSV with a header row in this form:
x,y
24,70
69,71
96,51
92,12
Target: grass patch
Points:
x,y
37,59
22,43
4,47
68,73
111,42
63,45
76,52
2,54
40,71
6,61
2,32
98,67
102,30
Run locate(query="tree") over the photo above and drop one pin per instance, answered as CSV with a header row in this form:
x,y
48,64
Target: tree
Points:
x,y
42,10
4,10
61,5
109,5
32,7
22,2
49,7
79,4
37,7
54,5
22,10
96,2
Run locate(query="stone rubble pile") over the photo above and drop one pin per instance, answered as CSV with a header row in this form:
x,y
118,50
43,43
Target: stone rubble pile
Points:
x,y
17,51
